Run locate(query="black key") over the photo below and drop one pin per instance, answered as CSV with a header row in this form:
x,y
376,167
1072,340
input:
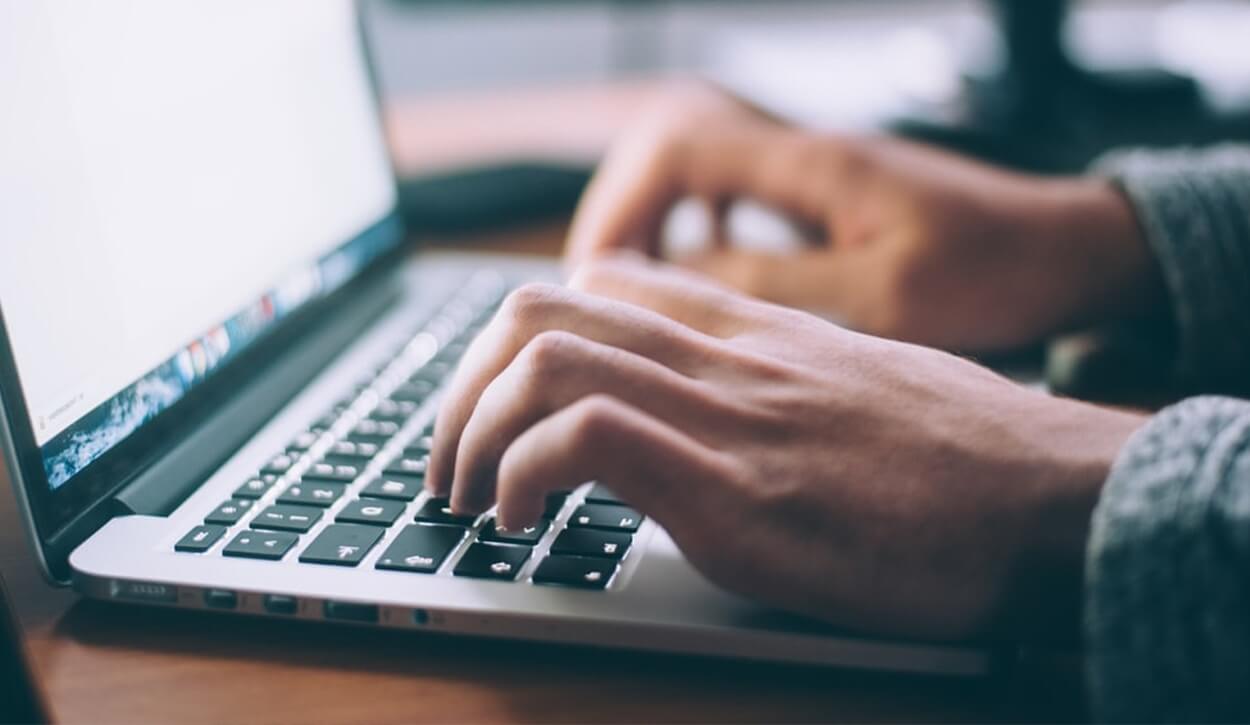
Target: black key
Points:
x,y
280,464
398,411
412,392
554,504
200,539
261,544
591,542
284,517
438,511
313,493
575,571
527,536
600,516
229,513
372,511
332,460
342,472
600,493
453,352
305,440
373,431
421,549
434,372
341,545
489,561
420,447
256,487
408,466
400,488
328,420
351,450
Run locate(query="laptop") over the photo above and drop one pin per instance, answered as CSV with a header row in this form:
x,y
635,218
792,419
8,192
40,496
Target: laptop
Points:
x,y
220,357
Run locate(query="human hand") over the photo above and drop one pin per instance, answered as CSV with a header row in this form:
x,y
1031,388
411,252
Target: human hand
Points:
x,y
912,243
874,484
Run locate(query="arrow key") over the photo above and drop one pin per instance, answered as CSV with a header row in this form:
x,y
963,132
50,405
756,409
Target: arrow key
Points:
x,y
272,545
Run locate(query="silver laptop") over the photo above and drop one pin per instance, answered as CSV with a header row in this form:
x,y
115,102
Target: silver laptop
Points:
x,y
220,360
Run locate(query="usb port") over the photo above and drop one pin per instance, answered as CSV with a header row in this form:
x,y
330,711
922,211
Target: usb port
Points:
x,y
280,604
351,612
220,599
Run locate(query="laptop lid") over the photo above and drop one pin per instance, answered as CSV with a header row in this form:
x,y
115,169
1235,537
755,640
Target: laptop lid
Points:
x,y
181,183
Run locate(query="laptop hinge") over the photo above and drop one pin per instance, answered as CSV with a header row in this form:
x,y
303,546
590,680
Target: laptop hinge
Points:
x,y
164,485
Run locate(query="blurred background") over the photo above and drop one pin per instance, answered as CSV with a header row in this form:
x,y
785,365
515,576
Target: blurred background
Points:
x,y
1044,85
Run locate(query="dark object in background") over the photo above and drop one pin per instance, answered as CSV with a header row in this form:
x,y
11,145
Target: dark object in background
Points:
x,y
1129,363
20,701
491,197
1046,113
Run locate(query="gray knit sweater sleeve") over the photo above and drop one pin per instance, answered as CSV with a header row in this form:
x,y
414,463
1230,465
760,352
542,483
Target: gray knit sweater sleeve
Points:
x,y
1168,562
1194,209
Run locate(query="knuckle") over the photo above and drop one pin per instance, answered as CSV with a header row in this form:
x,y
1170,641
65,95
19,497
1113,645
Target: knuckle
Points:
x,y
594,275
529,304
595,418
550,353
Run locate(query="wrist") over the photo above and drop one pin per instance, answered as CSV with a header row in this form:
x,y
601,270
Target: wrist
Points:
x,y
1077,445
1110,271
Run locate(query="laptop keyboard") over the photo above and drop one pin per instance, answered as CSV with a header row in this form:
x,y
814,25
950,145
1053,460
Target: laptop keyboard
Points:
x,y
353,484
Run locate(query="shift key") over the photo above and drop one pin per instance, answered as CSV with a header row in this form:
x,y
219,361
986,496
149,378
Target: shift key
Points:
x,y
421,548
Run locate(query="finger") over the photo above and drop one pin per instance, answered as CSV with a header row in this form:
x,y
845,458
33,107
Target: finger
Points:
x,y
534,309
555,370
636,187
691,299
661,471
794,279
625,203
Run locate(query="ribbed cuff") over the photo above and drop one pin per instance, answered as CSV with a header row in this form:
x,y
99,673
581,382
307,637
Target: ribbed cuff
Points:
x,y
1194,209
1167,580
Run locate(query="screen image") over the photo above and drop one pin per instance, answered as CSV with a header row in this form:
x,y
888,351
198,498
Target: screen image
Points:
x,y
176,176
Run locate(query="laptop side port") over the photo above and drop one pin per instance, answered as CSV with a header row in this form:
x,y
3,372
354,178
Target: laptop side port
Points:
x,y
350,612
220,599
280,604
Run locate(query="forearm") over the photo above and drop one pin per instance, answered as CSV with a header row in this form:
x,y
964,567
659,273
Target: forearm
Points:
x,y
1168,570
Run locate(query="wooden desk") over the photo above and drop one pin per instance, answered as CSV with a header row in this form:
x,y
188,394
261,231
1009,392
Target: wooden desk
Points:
x,y
106,663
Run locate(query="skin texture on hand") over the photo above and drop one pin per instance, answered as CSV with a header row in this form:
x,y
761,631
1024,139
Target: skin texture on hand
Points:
x,y
875,484
912,243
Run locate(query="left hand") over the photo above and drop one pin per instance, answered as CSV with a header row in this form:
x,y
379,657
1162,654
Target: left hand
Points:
x,y
874,484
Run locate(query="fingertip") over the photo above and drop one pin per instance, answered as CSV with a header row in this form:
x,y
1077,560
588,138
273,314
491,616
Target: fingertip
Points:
x,y
434,489
515,516
465,505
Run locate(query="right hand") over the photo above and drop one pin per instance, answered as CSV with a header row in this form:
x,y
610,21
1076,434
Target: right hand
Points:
x,y
913,243
883,486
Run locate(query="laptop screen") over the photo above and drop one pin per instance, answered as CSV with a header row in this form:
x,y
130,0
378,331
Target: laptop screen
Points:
x,y
176,177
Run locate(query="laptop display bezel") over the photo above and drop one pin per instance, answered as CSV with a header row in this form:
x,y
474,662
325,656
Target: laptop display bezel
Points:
x,y
52,512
